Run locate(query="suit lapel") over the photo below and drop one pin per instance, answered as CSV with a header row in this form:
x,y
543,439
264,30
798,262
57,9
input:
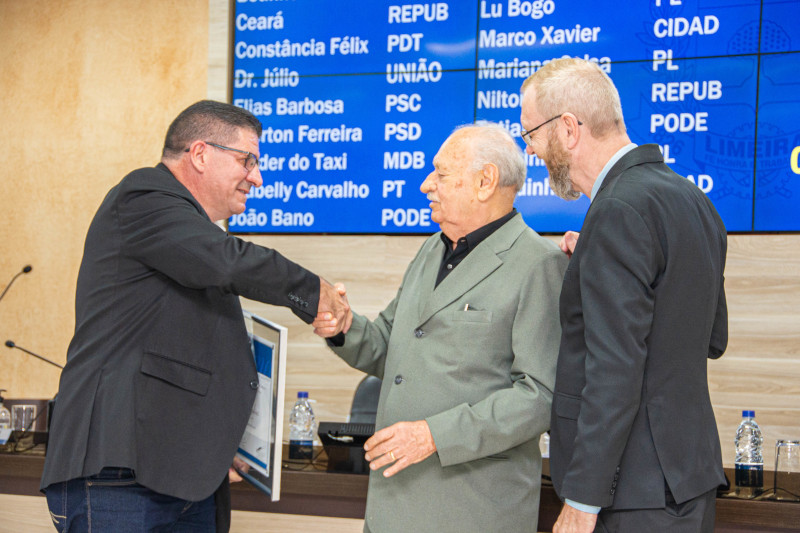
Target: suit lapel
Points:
x,y
479,264
428,274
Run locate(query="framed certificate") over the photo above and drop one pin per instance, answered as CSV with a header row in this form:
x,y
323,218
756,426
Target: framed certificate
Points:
x,y
261,444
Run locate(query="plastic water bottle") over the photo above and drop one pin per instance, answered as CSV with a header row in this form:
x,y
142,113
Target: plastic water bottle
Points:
x,y
749,457
301,428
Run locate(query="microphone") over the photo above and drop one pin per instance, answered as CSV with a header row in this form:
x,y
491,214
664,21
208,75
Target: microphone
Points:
x,y
25,270
11,344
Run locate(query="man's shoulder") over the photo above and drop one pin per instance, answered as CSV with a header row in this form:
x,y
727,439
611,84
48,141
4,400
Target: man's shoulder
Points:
x,y
533,242
649,184
152,180
148,188
516,238
531,249
158,177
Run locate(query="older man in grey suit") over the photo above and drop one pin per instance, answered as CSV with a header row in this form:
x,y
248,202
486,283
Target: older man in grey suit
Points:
x,y
467,353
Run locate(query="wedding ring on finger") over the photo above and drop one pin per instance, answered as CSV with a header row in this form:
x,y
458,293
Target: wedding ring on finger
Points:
x,y
391,454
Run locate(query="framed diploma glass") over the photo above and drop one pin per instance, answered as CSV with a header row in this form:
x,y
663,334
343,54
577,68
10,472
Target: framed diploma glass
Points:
x,y
261,444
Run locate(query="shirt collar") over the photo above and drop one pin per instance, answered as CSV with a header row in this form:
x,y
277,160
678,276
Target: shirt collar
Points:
x,y
479,235
611,162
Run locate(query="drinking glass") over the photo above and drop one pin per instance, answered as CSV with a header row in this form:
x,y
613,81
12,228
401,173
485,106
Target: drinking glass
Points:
x,y
787,470
22,417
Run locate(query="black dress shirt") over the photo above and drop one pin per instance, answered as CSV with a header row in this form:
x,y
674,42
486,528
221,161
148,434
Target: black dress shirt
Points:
x,y
453,256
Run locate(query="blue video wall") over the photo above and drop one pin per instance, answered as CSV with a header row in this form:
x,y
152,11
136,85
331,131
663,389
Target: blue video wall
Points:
x,y
357,96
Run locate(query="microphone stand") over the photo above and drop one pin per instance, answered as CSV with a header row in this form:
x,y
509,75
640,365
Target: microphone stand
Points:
x,y
25,270
11,344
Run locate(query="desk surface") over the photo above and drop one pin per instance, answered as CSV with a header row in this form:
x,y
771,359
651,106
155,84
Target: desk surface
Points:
x,y
319,493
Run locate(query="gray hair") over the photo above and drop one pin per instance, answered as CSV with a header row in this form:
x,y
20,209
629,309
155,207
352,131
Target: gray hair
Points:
x,y
493,144
581,88
209,121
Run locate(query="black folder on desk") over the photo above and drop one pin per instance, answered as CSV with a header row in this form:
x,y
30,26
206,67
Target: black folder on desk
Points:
x,y
344,445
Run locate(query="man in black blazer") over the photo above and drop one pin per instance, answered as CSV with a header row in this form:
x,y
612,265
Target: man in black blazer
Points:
x,y
633,434
160,377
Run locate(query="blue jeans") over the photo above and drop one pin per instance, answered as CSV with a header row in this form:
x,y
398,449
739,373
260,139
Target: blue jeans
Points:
x,y
113,501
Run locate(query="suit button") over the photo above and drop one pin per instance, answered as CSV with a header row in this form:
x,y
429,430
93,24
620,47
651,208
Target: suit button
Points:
x,y
612,492
254,384
398,379
418,333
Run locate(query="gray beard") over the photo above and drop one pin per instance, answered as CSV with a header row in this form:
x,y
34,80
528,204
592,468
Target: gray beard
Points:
x,y
561,183
558,166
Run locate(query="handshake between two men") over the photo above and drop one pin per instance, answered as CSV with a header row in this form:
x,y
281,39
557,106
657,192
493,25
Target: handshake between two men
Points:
x,y
333,314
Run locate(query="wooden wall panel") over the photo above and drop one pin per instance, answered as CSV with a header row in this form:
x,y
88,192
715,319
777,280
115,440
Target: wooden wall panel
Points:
x,y
761,369
89,89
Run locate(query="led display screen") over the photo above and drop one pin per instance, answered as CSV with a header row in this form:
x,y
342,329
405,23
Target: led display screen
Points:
x,y
356,97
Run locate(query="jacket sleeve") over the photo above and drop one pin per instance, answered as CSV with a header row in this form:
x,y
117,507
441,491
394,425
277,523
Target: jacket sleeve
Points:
x,y
167,232
367,342
719,332
511,416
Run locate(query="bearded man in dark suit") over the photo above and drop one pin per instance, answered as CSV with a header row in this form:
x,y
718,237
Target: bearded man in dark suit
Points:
x,y
642,309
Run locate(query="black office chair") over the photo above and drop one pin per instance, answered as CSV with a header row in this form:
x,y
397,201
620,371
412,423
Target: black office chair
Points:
x,y
365,401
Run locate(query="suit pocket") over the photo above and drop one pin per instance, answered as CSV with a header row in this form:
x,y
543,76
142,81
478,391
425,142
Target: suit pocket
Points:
x,y
187,377
472,315
566,406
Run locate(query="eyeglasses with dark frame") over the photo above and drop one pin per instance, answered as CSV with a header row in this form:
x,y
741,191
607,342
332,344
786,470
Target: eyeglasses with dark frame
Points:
x,y
526,136
249,163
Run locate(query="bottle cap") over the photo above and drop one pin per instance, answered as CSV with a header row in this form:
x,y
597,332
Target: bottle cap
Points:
x,y
748,414
302,394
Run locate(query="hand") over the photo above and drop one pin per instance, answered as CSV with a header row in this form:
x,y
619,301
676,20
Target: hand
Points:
x,y
233,475
334,314
568,242
403,444
572,520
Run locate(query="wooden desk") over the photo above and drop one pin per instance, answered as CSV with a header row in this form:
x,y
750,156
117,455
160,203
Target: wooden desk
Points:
x,y
319,493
